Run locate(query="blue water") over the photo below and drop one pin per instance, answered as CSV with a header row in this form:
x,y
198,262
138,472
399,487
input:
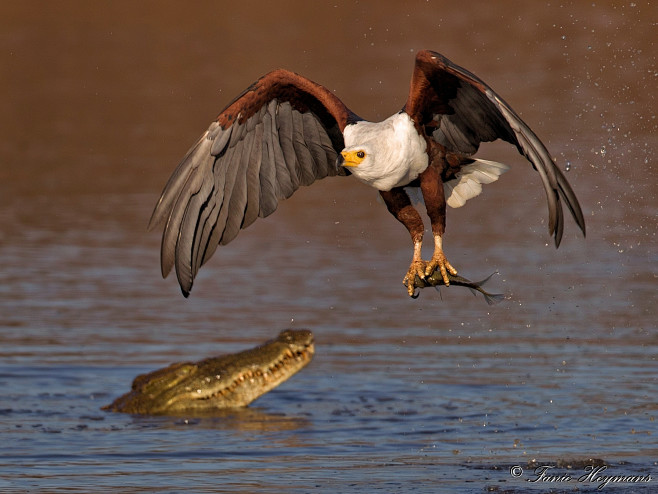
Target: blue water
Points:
x,y
442,391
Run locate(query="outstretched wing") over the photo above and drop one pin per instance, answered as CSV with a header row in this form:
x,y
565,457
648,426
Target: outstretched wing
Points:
x,y
459,111
283,132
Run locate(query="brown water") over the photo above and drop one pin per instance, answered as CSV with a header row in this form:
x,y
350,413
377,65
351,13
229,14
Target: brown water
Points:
x,y
439,393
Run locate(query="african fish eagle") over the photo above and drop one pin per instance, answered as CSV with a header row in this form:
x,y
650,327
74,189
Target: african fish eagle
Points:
x,y
285,131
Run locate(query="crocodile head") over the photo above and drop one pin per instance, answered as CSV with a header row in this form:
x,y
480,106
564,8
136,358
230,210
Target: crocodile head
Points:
x,y
219,382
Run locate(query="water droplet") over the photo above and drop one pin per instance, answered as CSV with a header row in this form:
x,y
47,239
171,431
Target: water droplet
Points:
x,y
567,166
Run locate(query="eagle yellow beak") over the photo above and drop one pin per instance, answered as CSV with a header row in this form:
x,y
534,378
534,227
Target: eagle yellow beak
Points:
x,y
351,158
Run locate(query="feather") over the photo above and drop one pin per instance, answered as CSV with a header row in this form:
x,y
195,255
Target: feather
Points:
x,y
220,139
184,184
284,185
192,159
308,170
313,140
467,183
252,176
285,134
198,193
268,191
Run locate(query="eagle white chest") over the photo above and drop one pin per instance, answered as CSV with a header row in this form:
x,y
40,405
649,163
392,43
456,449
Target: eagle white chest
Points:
x,y
395,152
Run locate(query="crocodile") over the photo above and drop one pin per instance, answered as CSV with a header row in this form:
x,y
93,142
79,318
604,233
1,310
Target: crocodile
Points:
x,y
228,381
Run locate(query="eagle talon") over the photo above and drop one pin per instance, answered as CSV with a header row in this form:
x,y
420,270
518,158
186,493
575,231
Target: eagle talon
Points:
x,y
417,268
439,261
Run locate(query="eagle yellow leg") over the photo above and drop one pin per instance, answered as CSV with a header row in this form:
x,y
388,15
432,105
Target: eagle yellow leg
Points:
x,y
439,261
423,269
399,205
417,268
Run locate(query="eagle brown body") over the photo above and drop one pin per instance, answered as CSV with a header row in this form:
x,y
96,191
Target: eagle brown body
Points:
x,y
285,131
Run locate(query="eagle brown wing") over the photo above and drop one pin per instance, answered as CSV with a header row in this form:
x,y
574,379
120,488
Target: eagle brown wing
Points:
x,y
458,110
282,132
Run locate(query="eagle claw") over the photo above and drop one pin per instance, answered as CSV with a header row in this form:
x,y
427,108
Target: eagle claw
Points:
x,y
425,269
439,261
417,268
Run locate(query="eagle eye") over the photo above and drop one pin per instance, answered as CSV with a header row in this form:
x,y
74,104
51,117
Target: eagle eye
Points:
x,y
360,154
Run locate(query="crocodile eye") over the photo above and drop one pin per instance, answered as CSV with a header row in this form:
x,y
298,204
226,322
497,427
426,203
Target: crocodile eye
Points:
x,y
360,154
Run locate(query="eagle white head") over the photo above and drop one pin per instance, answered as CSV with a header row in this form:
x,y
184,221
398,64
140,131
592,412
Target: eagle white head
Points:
x,y
384,154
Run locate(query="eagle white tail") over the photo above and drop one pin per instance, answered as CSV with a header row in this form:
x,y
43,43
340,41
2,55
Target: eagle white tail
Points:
x,y
467,184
